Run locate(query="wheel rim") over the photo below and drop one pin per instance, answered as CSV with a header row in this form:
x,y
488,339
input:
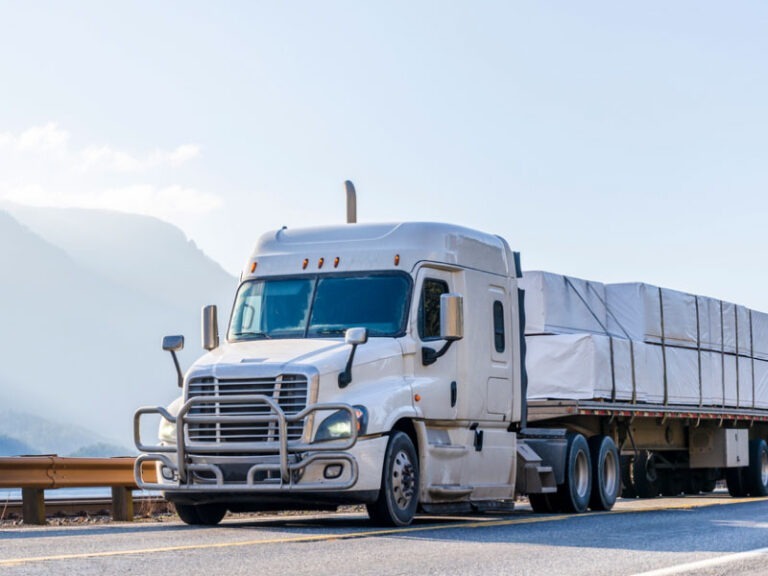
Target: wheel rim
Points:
x,y
610,478
581,474
403,481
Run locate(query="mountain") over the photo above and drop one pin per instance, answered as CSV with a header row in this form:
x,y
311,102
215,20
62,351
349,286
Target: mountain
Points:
x,y
23,434
12,447
85,298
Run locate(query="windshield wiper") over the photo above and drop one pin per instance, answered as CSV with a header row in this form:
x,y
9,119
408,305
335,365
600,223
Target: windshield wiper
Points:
x,y
328,331
252,335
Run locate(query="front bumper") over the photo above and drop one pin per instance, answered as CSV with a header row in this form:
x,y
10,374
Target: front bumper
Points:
x,y
277,465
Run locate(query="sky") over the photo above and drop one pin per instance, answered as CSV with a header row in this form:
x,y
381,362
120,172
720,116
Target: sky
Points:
x,y
612,141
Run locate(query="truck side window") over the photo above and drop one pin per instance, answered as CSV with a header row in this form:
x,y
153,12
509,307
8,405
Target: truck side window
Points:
x,y
429,309
498,326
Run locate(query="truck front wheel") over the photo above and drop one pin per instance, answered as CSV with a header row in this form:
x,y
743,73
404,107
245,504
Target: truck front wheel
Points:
x,y
399,493
201,514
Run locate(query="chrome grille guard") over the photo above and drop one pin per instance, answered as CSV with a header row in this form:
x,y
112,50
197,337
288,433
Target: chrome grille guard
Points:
x,y
293,455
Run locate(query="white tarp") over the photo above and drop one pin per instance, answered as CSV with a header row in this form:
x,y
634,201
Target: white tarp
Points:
x,y
568,366
591,366
688,350
761,384
760,334
636,313
556,304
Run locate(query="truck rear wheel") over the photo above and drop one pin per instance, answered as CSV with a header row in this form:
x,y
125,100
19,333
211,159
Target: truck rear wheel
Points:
x,y
757,472
399,494
575,491
606,473
645,474
201,514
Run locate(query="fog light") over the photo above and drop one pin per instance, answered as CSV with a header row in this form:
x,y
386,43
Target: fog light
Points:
x,y
333,471
168,473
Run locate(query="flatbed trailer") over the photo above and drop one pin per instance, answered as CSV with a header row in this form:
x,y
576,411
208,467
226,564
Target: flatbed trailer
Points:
x,y
670,449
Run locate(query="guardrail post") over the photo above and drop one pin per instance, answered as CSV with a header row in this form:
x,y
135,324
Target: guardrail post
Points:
x,y
33,505
122,504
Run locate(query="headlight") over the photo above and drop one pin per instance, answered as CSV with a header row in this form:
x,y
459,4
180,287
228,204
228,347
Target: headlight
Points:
x,y
339,425
167,431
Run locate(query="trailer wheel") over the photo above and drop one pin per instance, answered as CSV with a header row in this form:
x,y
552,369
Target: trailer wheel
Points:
x,y
201,514
627,482
399,495
575,491
606,473
670,483
757,472
645,474
693,482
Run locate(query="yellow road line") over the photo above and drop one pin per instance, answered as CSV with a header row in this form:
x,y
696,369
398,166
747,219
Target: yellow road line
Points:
x,y
365,534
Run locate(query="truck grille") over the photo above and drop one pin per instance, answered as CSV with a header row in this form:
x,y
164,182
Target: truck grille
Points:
x,y
288,390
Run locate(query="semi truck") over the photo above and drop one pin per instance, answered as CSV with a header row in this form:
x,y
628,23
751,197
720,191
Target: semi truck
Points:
x,y
391,365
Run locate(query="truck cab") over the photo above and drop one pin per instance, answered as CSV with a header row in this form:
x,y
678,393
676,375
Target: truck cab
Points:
x,y
364,363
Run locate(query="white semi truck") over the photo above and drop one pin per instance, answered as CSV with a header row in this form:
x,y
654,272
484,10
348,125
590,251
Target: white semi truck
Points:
x,y
385,365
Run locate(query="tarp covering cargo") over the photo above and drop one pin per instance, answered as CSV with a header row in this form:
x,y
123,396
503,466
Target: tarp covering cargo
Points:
x,y
640,343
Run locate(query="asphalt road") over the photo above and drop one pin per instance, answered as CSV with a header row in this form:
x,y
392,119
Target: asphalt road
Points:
x,y
710,535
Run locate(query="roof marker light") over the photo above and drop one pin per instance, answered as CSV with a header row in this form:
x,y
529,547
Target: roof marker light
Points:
x,y
336,262
253,267
397,259
320,263
305,264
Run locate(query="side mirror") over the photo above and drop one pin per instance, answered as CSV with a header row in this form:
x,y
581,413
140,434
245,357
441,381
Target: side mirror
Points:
x,y
451,317
210,328
356,336
451,327
353,337
173,344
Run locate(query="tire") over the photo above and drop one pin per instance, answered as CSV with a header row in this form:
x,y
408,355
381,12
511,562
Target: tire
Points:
x,y
544,503
399,494
670,483
201,514
606,473
757,471
645,475
693,483
574,493
627,482
736,480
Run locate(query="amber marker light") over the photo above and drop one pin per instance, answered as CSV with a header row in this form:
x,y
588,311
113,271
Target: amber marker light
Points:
x,y
336,262
417,397
320,262
253,267
397,259
305,264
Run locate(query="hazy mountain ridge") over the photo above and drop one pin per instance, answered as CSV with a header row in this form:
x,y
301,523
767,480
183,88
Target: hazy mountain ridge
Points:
x,y
24,434
85,299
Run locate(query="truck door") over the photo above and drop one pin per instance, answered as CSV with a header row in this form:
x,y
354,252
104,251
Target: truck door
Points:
x,y
435,387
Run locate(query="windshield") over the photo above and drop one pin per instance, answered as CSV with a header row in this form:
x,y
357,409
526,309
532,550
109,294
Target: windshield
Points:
x,y
321,306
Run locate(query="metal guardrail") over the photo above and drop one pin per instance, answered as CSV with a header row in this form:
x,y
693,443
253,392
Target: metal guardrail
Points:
x,y
35,474
145,505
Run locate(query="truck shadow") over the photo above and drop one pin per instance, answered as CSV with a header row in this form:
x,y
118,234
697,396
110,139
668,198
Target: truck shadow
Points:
x,y
674,530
